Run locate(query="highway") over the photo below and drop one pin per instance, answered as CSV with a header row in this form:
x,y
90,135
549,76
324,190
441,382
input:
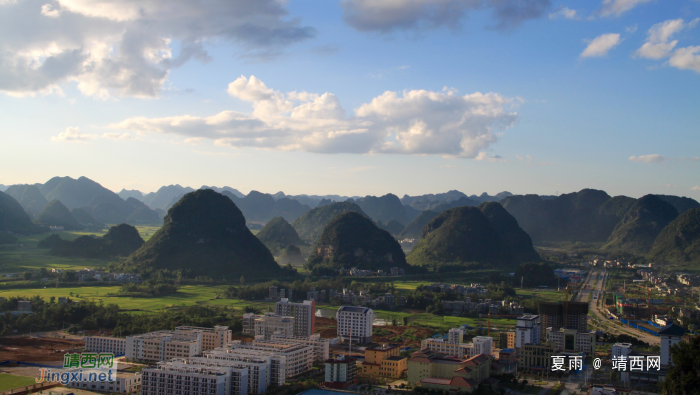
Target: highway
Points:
x,y
593,287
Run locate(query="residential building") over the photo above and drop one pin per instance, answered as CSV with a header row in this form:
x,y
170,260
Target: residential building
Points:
x,y
272,324
455,335
569,339
620,349
537,357
355,323
384,361
249,323
527,330
340,372
434,370
557,315
148,346
239,382
319,345
303,314
482,345
288,360
183,345
506,340
184,342
259,368
114,345
670,335
212,338
459,350
177,377
124,383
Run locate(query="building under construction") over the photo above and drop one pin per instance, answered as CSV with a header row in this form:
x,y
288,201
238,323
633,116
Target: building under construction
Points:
x,y
557,315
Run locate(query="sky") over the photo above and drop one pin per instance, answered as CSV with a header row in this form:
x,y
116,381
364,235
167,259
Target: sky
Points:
x,y
354,97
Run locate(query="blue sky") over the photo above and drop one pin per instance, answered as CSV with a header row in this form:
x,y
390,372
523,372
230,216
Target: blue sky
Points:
x,y
354,97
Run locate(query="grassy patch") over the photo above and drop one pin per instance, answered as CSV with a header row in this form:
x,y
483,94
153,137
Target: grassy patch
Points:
x,y
9,381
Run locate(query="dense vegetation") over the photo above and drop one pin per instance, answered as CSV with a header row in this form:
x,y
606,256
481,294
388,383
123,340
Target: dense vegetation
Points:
x,y
640,226
120,240
353,240
679,241
278,234
205,233
392,226
310,225
463,235
534,274
415,228
684,374
29,197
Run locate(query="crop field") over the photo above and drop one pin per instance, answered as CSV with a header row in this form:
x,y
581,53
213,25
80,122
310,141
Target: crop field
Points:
x,y
549,295
186,295
26,257
9,381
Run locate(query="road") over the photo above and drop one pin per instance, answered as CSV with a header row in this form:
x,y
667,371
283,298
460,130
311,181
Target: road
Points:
x,y
593,287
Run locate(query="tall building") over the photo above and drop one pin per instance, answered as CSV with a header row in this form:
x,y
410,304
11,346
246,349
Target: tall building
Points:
x,y
571,340
319,345
506,340
670,335
340,372
272,324
184,342
557,315
482,345
259,368
355,323
303,314
455,335
620,349
287,360
527,330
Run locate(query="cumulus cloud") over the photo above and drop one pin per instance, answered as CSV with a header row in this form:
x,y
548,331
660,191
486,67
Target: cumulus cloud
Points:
x,y
73,135
485,157
563,12
411,122
619,7
601,45
126,47
659,45
695,188
653,158
391,15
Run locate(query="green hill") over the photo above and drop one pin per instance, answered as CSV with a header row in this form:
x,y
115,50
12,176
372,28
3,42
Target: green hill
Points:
x,y
681,203
14,219
487,234
353,240
56,214
679,241
278,234
120,240
29,197
205,233
49,242
310,225
392,226
83,217
383,208
71,192
640,226
415,228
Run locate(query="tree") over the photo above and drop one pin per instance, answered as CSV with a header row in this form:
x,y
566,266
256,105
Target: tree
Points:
x,y
684,375
27,275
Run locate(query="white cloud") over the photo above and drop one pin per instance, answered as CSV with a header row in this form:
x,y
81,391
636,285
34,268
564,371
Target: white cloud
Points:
x,y
418,15
485,157
411,122
653,158
659,45
631,29
117,136
601,45
73,135
124,47
619,7
563,12
695,188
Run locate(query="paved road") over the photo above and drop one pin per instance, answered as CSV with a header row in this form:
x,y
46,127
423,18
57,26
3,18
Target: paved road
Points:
x,y
594,285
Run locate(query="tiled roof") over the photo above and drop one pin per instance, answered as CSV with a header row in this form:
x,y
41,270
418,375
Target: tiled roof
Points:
x,y
435,380
672,330
459,381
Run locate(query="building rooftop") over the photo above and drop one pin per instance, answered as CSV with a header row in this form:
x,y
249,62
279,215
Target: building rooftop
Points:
x,y
395,358
353,309
671,330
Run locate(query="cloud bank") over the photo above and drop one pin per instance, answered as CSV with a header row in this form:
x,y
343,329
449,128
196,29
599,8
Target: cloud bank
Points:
x,y
653,158
659,45
619,7
411,122
73,135
125,47
386,16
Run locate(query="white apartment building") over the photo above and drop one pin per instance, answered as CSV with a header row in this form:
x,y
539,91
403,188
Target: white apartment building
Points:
x,y
125,383
482,345
114,345
259,368
148,346
288,360
183,345
355,323
212,338
319,345
239,381
570,340
620,349
303,314
272,324
183,379
670,335
527,330
455,335
479,345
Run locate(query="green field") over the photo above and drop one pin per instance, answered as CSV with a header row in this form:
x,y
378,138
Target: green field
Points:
x,y
549,295
186,295
9,381
26,257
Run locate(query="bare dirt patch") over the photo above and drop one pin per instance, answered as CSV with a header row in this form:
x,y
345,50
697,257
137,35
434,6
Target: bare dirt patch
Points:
x,y
43,349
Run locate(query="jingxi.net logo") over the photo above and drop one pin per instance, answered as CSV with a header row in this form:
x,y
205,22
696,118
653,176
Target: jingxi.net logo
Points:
x,y
82,368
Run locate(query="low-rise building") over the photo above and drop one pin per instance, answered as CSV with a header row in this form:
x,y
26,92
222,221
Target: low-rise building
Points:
x,y
272,324
178,377
124,383
114,345
384,361
569,339
341,372
433,370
